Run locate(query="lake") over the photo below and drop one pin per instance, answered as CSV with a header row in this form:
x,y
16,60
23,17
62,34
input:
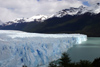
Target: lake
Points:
x,y
88,50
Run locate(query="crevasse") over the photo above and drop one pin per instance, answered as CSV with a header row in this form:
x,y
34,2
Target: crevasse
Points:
x,y
33,49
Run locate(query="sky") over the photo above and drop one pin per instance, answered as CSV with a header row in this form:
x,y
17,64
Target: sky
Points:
x,y
12,9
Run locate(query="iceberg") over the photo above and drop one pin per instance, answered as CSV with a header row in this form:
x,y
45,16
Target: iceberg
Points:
x,y
19,48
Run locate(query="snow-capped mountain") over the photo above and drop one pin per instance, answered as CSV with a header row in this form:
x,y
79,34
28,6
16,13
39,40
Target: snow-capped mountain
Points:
x,y
71,11
78,11
38,18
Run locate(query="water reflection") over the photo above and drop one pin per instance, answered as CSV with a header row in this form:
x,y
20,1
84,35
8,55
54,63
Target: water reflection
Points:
x,y
88,50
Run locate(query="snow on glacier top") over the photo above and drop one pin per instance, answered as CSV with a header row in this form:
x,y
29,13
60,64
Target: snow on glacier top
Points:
x,y
20,34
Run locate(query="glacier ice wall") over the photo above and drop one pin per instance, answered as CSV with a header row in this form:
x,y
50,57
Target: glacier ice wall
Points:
x,y
32,49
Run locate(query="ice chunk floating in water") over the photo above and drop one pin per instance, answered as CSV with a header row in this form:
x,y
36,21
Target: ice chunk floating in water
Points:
x,y
32,49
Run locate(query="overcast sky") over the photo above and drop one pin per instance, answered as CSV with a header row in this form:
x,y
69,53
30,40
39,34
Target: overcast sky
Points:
x,y
12,9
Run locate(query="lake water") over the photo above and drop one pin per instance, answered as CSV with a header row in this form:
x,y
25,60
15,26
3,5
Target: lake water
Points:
x,y
88,50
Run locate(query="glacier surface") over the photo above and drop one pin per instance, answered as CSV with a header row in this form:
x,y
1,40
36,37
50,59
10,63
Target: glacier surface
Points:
x,y
33,49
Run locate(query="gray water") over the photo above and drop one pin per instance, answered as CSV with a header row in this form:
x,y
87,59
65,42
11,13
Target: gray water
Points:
x,y
88,50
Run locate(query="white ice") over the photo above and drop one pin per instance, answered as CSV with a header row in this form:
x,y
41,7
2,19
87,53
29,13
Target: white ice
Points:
x,y
33,49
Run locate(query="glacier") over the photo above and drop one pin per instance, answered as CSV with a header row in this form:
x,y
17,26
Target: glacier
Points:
x,y
19,48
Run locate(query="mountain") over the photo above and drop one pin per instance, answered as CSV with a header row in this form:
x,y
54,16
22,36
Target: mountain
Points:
x,y
84,20
38,18
85,24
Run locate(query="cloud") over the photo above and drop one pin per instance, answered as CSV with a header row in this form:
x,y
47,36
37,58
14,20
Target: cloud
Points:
x,y
12,9
92,2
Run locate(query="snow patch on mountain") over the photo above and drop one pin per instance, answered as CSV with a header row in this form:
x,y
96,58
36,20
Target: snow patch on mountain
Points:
x,y
39,18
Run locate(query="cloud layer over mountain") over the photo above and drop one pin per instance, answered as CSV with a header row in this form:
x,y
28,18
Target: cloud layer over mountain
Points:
x,y
92,1
12,9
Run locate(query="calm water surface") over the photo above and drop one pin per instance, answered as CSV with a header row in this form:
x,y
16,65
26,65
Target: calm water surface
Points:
x,y
88,50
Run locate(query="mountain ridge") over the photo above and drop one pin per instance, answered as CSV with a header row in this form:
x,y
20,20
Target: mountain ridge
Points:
x,y
71,11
